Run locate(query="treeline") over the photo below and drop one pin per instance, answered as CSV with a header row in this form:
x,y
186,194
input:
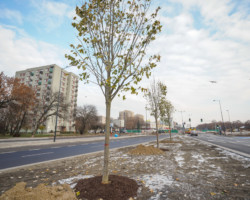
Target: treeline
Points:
x,y
228,125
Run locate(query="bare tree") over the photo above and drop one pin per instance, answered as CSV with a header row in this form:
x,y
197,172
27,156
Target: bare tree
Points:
x,y
46,108
86,117
155,95
113,38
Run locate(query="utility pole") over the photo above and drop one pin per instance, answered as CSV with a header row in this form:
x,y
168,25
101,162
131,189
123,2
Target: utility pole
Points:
x,y
229,121
221,116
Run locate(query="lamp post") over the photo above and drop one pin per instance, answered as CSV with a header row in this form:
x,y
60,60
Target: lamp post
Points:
x,y
146,108
58,99
181,111
229,120
221,115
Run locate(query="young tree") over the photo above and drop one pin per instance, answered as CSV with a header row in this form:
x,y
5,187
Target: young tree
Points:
x,y
155,95
47,107
166,112
113,37
86,117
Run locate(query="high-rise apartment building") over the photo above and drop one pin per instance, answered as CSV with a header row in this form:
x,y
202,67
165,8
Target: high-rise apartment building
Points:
x,y
46,79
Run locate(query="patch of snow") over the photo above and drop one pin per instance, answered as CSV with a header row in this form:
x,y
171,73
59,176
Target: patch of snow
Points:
x,y
156,183
199,158
179,159
245,161
71,181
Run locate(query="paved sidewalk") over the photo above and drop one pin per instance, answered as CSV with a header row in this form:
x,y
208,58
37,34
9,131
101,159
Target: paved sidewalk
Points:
x,y
20,142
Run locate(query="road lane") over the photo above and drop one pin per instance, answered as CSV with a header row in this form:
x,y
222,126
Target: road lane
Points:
x,y
32,156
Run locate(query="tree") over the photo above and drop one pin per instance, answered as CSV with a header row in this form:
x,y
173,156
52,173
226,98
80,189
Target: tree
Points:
x,y
86,117
166,111
113,37
47,107
155,95
17,100
10,90
20,108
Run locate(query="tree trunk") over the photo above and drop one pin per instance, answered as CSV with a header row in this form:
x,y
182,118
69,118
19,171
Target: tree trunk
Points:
x,y
157,134
105,175
170,134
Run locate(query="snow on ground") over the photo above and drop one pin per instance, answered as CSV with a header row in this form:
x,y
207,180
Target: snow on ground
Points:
x,y
72,180
244,160
179,159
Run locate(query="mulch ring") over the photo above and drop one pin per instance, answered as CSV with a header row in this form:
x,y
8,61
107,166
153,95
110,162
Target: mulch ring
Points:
x,y
145,150
120,188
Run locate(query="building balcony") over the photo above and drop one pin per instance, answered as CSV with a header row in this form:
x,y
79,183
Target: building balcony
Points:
x,y
41,72
32,73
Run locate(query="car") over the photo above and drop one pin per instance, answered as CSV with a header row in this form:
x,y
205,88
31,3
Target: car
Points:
x,y
194,133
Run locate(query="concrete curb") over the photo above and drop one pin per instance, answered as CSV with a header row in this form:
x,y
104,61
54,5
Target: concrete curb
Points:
x,y
225,148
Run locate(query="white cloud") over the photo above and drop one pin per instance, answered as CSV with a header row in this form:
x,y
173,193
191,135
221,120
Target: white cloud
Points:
x,y
50,14
19,52
12,15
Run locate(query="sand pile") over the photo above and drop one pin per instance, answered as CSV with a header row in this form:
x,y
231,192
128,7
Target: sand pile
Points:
x,y
145,150
41,192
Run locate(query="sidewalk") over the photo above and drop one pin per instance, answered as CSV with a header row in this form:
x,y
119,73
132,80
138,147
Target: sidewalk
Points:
x,y
20,142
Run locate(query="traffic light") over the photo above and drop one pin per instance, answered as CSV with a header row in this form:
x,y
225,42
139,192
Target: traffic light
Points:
x,y
190,119
201,120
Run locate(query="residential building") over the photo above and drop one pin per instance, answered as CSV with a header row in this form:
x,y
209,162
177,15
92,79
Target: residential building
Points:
x,y
101,119
46,79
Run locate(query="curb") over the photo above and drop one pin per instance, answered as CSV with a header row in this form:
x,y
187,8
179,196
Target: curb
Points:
x,y
225,148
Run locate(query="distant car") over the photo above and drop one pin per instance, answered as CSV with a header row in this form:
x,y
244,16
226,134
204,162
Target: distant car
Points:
x,y
161,131
193,133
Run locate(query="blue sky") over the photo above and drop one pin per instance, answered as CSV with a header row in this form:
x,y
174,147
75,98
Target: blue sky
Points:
x,y
201,41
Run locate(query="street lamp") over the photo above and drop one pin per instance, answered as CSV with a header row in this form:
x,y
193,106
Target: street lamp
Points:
x,y
221,115
58,99
229,120
181,111
146,108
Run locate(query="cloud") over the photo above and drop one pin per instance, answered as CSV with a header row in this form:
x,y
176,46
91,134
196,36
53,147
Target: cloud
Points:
x,y
12,15
18,51
50,14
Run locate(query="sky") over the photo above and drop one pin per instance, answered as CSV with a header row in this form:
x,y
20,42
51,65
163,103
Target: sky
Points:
x,y
201,41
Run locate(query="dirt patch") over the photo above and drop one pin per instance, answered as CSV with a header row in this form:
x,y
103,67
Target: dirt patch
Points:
x,y
41,192
145,150
120,187
170,141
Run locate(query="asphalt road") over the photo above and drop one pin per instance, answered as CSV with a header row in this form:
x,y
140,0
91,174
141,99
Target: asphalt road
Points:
x,y
240,144
32,155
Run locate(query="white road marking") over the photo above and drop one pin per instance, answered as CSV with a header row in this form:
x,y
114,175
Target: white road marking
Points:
x,y
71,145
38,154
55,147
34,149
8,152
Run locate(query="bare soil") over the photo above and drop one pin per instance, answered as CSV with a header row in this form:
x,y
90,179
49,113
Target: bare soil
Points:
x,y
187,169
